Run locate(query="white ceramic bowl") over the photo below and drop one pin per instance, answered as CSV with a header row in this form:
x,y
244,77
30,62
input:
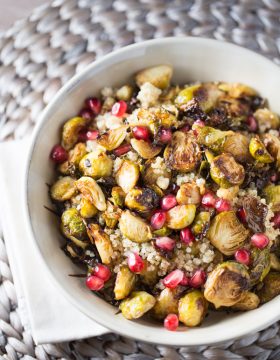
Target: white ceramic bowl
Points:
x,y
193,59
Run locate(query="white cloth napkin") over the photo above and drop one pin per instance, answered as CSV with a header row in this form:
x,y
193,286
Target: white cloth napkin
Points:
x,y
51,317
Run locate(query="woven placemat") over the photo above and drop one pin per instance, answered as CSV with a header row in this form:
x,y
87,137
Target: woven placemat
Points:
x,y
40,53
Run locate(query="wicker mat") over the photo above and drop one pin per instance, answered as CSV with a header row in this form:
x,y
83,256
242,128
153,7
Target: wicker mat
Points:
x,y
40,53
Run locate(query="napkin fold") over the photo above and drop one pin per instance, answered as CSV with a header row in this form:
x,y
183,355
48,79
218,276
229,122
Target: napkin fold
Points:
x,y
49,316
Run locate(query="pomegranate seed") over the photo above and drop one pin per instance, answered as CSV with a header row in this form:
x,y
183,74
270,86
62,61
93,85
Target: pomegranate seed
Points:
x,y
158,219
171,322
102,271
86,114
186,236
92,134
119,108
122,149
173,279
165,243
242,256
198,278
252,123
94,105
274,177
199,123
94,283
260,240
141,133
241,214
164,136
222,205
168,202
58,154
135,262
82,137
185,281
276,220
185,128
208,200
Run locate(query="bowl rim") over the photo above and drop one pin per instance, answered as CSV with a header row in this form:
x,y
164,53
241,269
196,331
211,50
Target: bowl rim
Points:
x,y
250,327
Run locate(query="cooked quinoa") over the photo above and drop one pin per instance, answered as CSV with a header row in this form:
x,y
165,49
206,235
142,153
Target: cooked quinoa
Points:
x,y
169,197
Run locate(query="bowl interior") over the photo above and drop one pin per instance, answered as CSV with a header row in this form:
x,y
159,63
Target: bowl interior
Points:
x,y
192,59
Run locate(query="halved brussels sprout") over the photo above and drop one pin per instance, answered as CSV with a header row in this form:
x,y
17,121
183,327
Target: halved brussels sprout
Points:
x,y
166,303
192,308
259,152
186,95
87,210
145,149
137,305
267,119
102,242
73,227
91,191
75,156
96,166
118,196
159,76
249,301
125,93
256,213
237,90
113,138
111,215
226,284
201,223
188,193
260,265
152,174
125,283
238,146
63,189
71,131
274,262
272,194
141,200
180,216
210,137
127,175
183,154
226,172
226,233
134,228
271,287
272,144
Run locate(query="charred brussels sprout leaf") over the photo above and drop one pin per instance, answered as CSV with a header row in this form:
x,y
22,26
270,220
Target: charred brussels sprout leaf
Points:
x,y
192,308
113,138
111,215
134,228
141,200
92,191
63,189
159,76
166,303
259,152
137,305
238,146
210,137
145,149
186,95
260,265
255,213
127,175
102,242
271,287
125,283
71,131
118,196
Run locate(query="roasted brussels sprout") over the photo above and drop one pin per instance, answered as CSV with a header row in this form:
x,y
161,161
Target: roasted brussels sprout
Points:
x,y
159,76
141,200
260,265
96,166
137,304
73,227
71,131
192,308
111,215
166,303
271,287
255,212
134,228
102,242
272,194
188,193
87,210
125,92
127,175
125,283
226,172
118,196
266,119
149,275
63,189
272,144
113,138
183,154
259,152
237,90
226,233
238,146
186,95
92,191
145,149
226,284
180,216
210,137
75,156
274,262
249,301
156,175
201,223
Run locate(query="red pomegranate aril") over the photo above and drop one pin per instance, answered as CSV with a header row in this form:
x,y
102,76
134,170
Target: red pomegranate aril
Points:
x,y
92,134
165,136
122,149
186,236
171,322
241,214
252,123
165,243
119,108
135,262
242,256
82,137
222,205
168,202
184,281
185,128
208,200
102,271
141,133
274,177
58,154
94,105
199,123
198,278
173,279
276,220
86,114
158,220
94,283
260,240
